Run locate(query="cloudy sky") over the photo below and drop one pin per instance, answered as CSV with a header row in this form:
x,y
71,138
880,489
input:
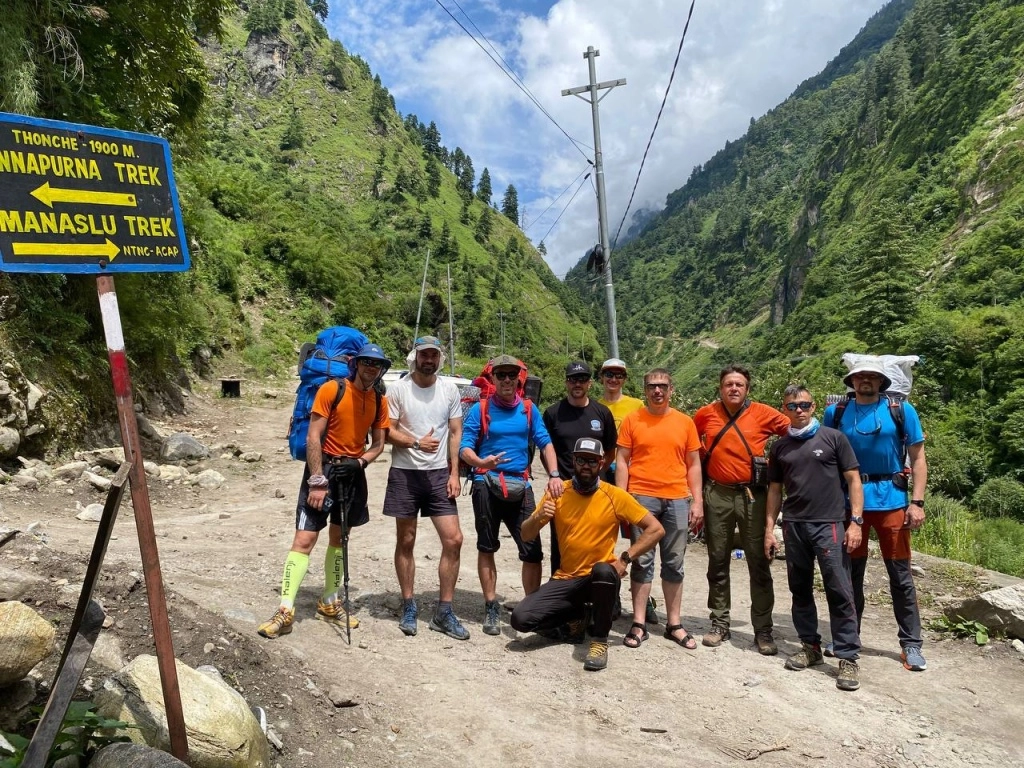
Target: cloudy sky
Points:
x,y
741,58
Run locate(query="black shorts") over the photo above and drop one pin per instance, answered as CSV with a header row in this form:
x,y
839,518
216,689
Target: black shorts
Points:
x,y
418,490
490,512
348,494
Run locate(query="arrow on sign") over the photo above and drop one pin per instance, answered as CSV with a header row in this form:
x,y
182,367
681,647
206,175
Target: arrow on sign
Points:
x,y
106,250
48,195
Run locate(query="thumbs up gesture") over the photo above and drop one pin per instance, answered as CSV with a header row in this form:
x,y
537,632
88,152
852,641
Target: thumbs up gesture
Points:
x,y
429,443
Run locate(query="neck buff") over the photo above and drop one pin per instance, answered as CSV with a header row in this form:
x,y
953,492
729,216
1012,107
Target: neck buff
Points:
x,y
504,404
807,432
585,490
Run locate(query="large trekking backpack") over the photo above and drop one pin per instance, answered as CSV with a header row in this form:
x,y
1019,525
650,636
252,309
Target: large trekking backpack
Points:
x,y
319,363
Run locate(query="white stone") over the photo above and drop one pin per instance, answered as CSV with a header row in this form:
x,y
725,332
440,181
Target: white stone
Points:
x,y
72,470
169,473
209,479
90,514
26,638
1001,610
98,482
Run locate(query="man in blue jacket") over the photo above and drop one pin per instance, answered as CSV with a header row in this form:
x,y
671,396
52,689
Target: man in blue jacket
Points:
x,y
496,440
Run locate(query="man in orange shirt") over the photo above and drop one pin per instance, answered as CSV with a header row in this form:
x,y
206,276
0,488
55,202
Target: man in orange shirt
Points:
x,y
334,482
733,433
658,461
587,517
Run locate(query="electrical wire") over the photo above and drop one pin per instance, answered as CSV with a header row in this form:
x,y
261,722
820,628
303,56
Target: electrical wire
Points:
x,y
657,120
516,81
557,199
564,210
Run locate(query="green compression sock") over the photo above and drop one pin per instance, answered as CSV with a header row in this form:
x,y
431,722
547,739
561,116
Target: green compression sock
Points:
x,y
295,566
334,567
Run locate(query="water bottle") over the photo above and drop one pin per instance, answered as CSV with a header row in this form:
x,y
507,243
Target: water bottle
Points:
x,y
737,554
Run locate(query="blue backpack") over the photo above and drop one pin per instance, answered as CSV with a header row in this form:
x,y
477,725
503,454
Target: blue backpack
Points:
x,y
319,363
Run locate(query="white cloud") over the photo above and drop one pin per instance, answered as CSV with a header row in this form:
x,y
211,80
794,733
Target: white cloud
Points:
x,y
741,58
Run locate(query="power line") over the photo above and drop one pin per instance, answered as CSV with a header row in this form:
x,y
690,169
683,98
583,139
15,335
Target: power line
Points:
x,y
557,199
564,210
516,80
656,121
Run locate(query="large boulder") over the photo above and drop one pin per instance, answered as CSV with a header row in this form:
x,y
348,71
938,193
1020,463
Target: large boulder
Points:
x,y
181,446
10,439
134,756
1001,610
222,731
26,638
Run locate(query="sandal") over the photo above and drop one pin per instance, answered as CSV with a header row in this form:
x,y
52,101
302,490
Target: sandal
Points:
x,y
634,639
686,640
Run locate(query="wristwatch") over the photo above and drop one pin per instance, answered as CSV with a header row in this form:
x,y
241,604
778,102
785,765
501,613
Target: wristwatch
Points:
x,y
918,503
625,557
858,519
554,473
416,444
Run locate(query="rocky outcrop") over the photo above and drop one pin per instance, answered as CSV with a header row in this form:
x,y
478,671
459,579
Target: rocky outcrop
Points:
x,y
26,638
222,731
21,415
1001,610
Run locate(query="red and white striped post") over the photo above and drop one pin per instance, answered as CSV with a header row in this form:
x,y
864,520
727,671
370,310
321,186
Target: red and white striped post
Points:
x,y
143,515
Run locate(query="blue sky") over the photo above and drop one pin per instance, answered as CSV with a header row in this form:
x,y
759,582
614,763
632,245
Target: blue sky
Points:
x,y
741,58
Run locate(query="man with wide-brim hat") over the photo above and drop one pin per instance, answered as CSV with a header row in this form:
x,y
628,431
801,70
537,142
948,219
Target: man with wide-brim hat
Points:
x,y
496,440
885,432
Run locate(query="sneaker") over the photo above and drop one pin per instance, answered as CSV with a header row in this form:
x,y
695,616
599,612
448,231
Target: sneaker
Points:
x,y
335,613
597,656
765,643
492,618
716,636
848,672
408,622
829,650
913,659
449,625
808,656
278,624
652,610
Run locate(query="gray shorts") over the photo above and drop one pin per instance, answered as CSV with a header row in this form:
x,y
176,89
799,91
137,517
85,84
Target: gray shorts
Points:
x,y
423,491
674,515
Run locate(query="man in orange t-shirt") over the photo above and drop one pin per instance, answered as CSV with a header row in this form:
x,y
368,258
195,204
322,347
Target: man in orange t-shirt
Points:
x,y
658,461
335,478
733,433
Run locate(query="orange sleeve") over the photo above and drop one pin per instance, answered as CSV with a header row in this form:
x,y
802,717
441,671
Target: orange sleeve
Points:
x,y
692,440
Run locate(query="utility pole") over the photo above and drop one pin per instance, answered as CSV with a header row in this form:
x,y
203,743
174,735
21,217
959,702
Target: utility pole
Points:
x,y
501,319
602,205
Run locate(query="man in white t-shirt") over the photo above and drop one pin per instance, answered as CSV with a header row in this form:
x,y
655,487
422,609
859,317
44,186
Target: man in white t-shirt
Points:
x,y
426,427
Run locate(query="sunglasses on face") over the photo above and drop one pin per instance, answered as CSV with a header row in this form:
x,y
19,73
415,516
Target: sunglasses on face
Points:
x,y
803,406
585,461
579,379
658,385
615,375
369,363
506,375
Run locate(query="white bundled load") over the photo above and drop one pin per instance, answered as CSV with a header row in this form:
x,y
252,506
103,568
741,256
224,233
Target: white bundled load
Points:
x,y
896,367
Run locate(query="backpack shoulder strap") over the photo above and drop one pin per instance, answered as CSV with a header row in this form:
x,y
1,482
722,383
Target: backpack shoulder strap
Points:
x,y
837,414
899,418
485,422
729,423
528,407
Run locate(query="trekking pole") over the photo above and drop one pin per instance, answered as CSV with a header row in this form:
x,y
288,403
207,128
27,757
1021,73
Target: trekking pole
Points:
x,y
344,565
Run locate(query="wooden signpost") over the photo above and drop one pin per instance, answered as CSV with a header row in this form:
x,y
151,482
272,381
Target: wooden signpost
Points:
x,y
85,200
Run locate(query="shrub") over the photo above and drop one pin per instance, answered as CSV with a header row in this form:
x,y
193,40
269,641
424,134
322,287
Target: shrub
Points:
x,y
1000,497
948,530
1000,546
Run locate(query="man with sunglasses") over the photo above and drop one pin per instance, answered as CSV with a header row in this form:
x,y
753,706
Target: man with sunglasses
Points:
x,y
613,378
812,462
587,516
868,423
734,431
573,417
335,477
498,452
658,461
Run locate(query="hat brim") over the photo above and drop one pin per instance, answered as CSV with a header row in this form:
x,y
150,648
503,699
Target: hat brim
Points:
x,y
588,453
886,381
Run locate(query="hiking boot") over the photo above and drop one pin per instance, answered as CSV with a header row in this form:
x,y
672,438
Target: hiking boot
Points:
x,y
449,625
716,636
408,623
765,643
829,650
652,611
913,659
597,656
848,675
278,624
808,656
575,632
335,613
492,618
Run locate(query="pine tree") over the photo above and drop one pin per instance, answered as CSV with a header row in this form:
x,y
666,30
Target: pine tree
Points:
x,y
510,204
433,177
319,8
542,249
378,173
432,140
294,133
484,225
466,177
379,103
483,189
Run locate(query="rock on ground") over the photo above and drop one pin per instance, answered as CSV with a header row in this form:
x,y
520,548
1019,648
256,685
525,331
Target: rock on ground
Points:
x,y
182,446
1001,610
26,638
134,755
223,733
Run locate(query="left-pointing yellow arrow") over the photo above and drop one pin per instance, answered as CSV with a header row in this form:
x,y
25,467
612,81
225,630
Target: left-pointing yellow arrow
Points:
x,y
106,250
48,195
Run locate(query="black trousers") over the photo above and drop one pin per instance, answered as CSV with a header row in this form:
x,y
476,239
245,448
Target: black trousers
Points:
x,y
805,543
561,600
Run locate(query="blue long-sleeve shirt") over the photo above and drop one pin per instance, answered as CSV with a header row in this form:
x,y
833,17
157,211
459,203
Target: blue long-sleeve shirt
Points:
x,y
508,432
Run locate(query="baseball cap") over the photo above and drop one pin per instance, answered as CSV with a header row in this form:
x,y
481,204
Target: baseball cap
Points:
x,y
613,362
577,368
589,446
427,342
506,361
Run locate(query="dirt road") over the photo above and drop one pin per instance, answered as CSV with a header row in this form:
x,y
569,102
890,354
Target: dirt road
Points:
x,y
522,701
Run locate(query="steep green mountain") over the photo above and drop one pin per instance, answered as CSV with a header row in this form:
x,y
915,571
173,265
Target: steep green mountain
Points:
x,y
877,209
308,201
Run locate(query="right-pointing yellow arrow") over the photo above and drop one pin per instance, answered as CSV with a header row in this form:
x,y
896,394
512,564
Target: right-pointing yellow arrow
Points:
x,y
106,250
48,195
